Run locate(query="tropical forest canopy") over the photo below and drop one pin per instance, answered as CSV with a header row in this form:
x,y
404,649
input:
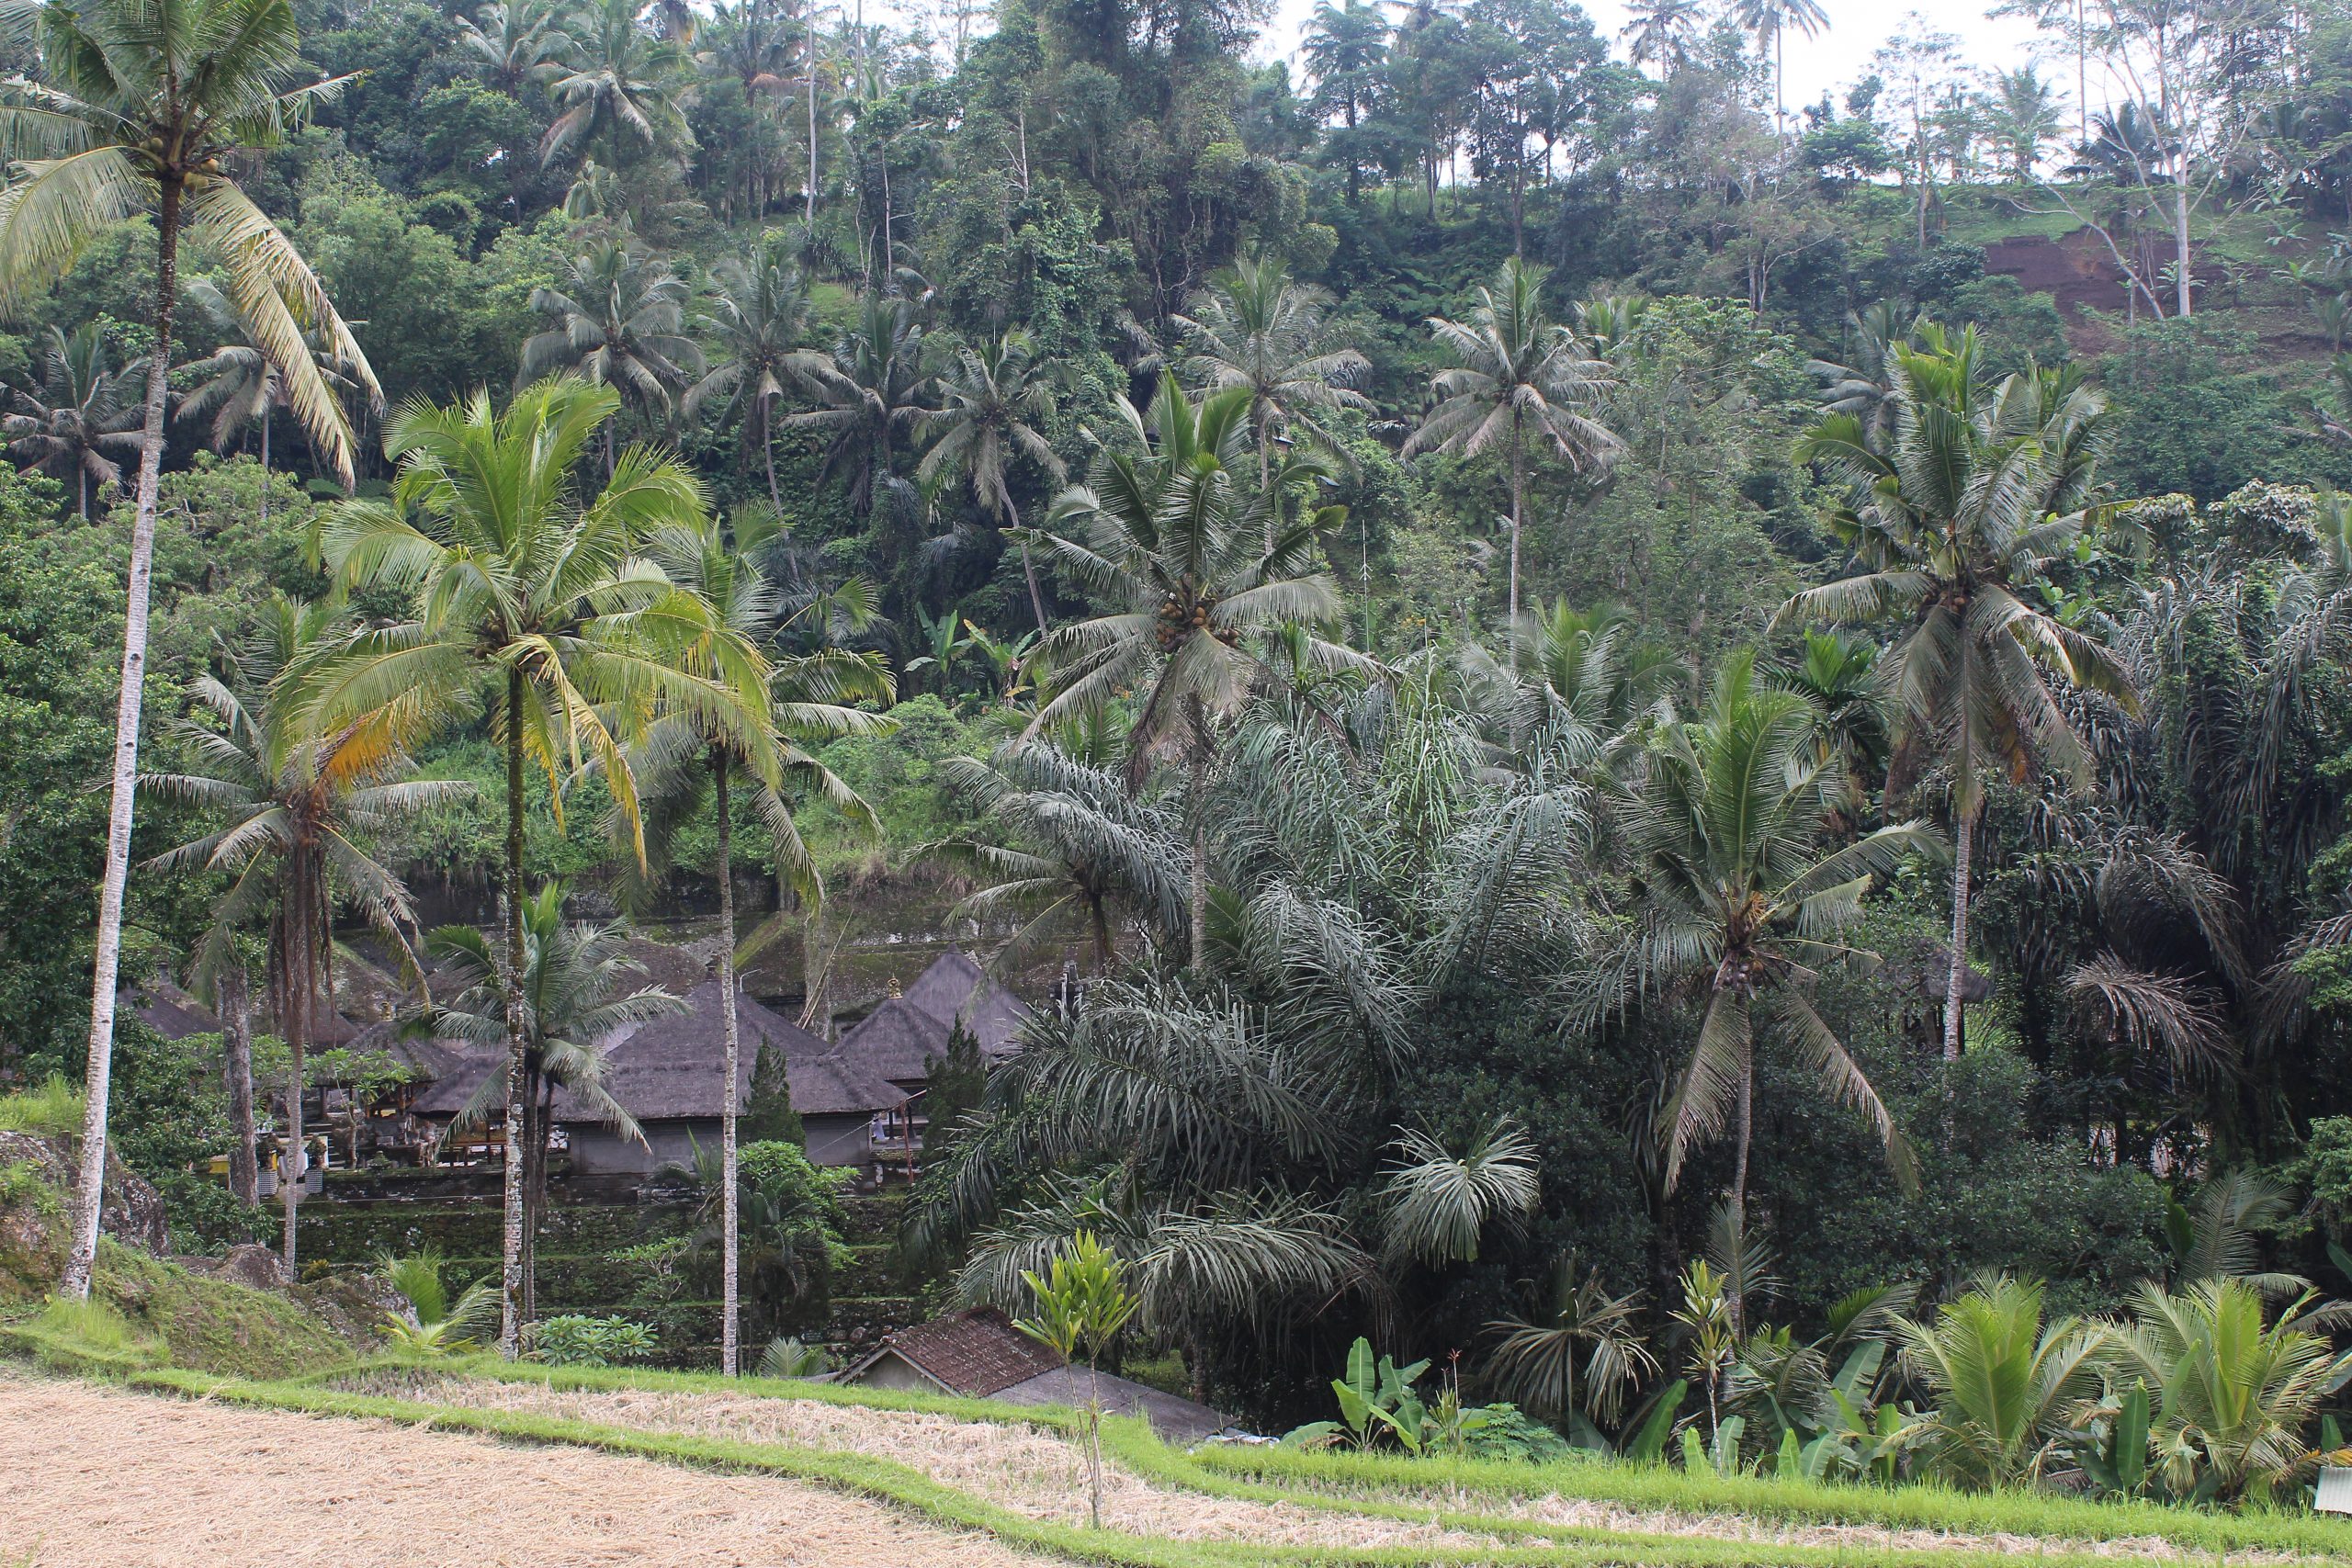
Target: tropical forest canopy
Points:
x,y
1527,618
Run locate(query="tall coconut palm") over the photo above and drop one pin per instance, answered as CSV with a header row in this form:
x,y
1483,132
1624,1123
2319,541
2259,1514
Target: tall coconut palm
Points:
x,y
1254,326
758,318
871,387
618,78
620,320
1954,518
136,106
1770,22
685,762
83,409
296,808
989,395
1662,32
1741,907
241,388
1171,526
1345,46
1837,673
1516,373
515,45
1081,845
539,597
574,1011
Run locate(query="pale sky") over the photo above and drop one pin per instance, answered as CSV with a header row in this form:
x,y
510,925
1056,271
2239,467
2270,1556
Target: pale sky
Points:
x,y
1834,61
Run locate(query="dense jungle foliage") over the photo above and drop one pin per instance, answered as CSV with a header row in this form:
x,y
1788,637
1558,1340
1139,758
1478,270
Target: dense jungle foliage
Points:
x,y
1521,613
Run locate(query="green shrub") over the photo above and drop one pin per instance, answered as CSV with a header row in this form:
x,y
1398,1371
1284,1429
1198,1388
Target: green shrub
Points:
x,y
575,1340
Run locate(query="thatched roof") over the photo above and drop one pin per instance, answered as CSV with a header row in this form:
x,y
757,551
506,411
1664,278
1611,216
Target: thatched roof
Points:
x,y
428,1060
902,1037
670,1068
168,1011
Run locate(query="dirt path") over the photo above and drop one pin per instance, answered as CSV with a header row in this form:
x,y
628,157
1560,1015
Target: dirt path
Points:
x,y
93,1478
1036,1473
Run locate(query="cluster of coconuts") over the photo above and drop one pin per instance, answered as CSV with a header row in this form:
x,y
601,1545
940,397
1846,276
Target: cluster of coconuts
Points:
x,y
1178,620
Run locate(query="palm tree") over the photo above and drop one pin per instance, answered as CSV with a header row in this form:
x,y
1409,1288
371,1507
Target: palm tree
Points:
x,y
618,78
144,108
1739,905
1255,327
241,387
1864,384
989,396
871,387
2239,1390
1515,373
574,1011
2005,1388
685,761
296,808
1586,682
1082,844
527,588
83,409
515,44
1954,518
1769,21
1169,527
758,316
621,323
1662,32
1582,1351
1837,674
2026,118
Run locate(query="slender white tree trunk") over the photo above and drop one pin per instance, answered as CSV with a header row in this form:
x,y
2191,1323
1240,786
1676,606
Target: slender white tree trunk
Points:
x,y
729,1203
237,1078
1964,835
510,1325
97,1077
2182,303
1518,497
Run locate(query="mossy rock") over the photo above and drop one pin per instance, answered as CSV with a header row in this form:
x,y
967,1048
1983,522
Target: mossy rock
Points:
x,y
216,1325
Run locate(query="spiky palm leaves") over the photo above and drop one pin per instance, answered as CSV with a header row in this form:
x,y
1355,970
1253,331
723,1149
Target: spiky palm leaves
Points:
x,y
83,409
1256,327
2004,1387
1739,904
241,386
296,803
1515,374
1171,526
618,78
1441,1202
1954,519
574,1008
620,323
1662,32
1577,692
871,387
990,401
515,44
544,600
758,316
1080,844
1582,1351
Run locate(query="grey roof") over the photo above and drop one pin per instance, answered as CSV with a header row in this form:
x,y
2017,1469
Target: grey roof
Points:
x,y
896,1041
669,1068
428,1060
954,987
168,1011
1170,1416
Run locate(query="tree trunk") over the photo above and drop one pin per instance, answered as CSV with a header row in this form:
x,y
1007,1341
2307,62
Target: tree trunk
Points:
x,y
1266,486
237,1078
1028,571
1099,917
510,1327
265,467
729,1204
767,450
2181,301
90,1196
1963,833
1517,495
300,986
1198,789
1739,1181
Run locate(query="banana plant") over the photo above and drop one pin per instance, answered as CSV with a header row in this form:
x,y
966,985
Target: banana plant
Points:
x,y
1376,1400
945,646
1720,1456
2114,1448
1007,658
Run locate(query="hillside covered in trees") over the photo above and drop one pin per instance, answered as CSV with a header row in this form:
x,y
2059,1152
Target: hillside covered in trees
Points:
x,y
1619,710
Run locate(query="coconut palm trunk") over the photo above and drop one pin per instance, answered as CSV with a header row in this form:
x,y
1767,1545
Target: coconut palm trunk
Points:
x,y
1517,505
768,451
518,1042
106,969
1196,801
237,1080
730,1201
299,986
1964,832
